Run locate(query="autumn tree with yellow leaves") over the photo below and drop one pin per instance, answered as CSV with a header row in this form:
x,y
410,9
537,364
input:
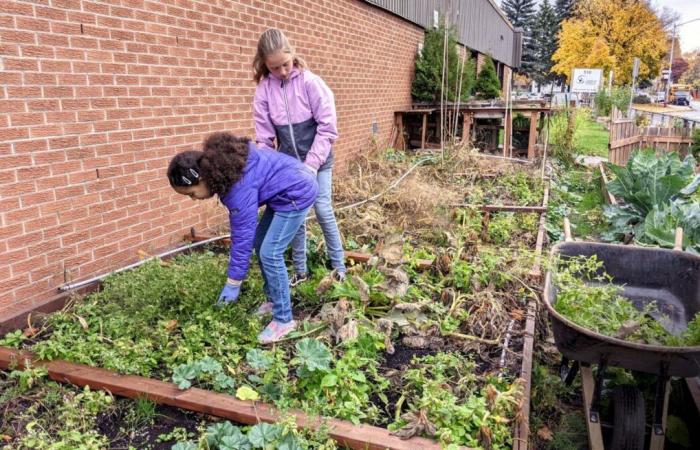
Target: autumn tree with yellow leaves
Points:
x,y
609,34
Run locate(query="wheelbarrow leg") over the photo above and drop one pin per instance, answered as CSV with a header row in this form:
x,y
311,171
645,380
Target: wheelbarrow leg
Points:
x,y
595,435
658,428
566,373
594,415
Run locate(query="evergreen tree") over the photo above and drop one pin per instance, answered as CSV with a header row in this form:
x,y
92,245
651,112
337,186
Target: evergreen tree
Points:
x,y
521,14
487,85
428,75
544,40
564,9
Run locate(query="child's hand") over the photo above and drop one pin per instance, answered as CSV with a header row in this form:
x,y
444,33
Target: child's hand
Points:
x,y
229,294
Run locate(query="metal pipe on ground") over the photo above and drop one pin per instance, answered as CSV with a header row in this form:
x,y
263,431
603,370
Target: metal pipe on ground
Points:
x,y
76,285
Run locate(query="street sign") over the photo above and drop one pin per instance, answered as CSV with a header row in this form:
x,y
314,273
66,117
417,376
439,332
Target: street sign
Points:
x,y
635,69
586,80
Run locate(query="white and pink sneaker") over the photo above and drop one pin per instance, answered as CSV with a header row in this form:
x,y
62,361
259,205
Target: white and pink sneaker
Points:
x,y
275,331
265,308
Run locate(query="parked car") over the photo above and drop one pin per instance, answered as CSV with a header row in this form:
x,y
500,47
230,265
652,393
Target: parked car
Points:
x,y
659,97
681,98
641,97
564,98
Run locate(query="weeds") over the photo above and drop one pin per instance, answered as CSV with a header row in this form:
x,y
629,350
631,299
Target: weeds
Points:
x,y
600,307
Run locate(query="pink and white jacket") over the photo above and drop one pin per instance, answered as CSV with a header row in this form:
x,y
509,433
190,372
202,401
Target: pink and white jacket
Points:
x,y
299,114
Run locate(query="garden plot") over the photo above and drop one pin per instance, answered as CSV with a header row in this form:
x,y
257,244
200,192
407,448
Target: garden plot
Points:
x,y
434,353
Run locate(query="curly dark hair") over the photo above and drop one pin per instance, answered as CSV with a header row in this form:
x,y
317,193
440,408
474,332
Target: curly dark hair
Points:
x,y
220,165
224,160
184,169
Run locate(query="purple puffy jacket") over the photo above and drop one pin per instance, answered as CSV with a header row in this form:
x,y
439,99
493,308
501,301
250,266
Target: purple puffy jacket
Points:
x,y
270,178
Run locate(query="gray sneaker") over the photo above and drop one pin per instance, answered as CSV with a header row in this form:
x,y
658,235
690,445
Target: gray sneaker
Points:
x,y
338,277
297,279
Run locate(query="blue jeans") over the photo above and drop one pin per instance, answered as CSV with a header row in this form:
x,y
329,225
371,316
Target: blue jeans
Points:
x,y
272,237
326,218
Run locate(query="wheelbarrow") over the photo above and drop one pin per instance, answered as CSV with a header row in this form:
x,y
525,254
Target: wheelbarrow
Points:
x,y
671,278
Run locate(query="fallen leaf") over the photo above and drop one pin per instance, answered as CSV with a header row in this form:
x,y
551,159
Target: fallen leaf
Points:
x,y
396,283
171,325
443,264
545,433
485,437
6,437
362,287
247,393
347,332
325,284
417,424
392,249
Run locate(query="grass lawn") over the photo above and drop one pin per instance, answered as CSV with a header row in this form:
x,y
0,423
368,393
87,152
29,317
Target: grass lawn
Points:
x,y
591,137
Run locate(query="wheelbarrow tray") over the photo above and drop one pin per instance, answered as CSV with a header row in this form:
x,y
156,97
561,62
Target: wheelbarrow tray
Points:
x,y
670,278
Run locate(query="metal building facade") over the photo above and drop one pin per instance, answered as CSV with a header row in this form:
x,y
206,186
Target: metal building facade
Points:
x,y
480,24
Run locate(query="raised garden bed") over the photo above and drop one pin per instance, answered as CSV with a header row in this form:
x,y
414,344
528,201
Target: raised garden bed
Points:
x,y
442,352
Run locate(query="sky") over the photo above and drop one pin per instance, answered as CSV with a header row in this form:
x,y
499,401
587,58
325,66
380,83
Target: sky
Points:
x,y
688,9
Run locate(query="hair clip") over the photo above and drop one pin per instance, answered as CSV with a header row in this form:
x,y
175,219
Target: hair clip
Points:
x,y
186,180
194,174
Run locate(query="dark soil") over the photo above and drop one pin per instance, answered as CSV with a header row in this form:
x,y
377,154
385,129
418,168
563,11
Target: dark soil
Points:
x,y
146,436
403,355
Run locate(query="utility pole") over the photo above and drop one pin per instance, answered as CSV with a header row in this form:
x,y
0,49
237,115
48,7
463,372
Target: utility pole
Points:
x,y
670,59
635,72
670,65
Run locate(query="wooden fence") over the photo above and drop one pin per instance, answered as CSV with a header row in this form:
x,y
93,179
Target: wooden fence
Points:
x,y
625,137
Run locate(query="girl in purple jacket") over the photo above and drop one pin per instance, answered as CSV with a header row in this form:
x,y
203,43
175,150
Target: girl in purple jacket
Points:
x,y
246,178
294,111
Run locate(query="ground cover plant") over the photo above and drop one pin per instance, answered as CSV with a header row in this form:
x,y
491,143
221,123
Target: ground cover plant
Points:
x,y
575,193
420,352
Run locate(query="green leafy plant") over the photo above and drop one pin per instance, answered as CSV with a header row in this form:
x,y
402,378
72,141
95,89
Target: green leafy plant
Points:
x,y
657,191
480,419
278,436
312,355
207,370
13,339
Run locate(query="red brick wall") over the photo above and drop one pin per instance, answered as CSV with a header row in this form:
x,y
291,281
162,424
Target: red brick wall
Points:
x,y
96,96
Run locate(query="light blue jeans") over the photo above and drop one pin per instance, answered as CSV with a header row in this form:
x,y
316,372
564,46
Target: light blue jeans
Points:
x,y
272,237
326,218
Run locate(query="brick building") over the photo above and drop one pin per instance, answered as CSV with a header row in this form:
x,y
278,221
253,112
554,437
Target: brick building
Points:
x,y
97,95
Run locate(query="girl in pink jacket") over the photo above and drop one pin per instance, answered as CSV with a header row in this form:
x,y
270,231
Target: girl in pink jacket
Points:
x,y
294,112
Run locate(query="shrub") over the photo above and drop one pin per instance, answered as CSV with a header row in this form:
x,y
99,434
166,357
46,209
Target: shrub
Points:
x,y
641,99
619,97
487,84
427,82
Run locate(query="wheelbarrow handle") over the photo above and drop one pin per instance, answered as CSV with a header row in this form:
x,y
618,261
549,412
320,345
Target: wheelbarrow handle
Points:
x,y
678,244
567,230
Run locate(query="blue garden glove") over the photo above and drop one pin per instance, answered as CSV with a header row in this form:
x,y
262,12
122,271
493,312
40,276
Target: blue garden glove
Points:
x,y
229,294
